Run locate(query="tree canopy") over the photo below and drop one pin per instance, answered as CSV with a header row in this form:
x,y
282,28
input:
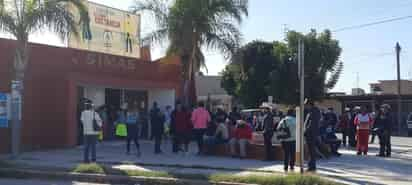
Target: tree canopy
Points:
x,y
261,69
189,25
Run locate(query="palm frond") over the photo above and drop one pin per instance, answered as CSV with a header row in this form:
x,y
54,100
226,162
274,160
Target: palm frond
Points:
x,y
158,8
235,9
55,15
7,21
157,36
227,43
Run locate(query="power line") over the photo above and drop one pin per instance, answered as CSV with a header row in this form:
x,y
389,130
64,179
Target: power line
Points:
x,y
372,23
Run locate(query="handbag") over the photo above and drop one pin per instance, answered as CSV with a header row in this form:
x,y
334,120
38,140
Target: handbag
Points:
x,y
121,130
285,133
96,127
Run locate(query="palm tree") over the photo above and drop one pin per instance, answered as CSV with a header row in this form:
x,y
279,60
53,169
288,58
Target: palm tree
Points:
x,y
189,25
20,18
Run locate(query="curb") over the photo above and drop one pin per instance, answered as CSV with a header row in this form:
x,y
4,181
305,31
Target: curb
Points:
x,y
97,178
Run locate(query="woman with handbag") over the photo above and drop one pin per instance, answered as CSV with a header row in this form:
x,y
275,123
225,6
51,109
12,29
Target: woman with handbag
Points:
x,y
91,127
287,127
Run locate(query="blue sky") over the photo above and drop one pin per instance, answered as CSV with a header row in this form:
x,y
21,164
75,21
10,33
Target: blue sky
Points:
x,y
367,51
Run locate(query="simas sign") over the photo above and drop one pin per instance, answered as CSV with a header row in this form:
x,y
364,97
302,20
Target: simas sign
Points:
x,y
112,31
106,61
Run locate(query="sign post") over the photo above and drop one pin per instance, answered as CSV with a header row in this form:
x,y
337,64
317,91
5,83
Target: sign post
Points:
x,y
300,110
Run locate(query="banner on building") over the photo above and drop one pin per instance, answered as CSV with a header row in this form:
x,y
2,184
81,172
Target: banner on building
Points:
x,y
4,110
112,31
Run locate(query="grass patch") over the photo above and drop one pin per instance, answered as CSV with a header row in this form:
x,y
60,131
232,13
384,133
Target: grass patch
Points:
x,y
147,173
272,179
92,168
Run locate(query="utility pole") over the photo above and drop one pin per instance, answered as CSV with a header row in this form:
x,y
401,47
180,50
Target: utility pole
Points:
x,y
398,51
300,110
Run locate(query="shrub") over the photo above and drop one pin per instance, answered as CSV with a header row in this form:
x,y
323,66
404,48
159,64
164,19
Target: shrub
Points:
x,y
89,168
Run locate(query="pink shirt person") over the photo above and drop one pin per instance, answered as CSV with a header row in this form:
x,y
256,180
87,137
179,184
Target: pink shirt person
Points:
x,y
200,118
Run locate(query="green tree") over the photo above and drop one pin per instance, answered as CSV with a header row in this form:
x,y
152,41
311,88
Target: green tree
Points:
x,y
189,25
247,76
20,18
280,79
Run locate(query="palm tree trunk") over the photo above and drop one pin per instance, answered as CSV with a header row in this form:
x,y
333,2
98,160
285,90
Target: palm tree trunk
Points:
x,y
186,81
17,86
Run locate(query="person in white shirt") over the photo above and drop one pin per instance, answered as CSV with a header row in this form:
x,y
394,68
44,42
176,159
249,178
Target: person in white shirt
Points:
x,y
90,134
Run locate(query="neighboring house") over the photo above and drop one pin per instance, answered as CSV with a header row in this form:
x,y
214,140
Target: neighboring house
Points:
x,y
208,89
358,92
391,87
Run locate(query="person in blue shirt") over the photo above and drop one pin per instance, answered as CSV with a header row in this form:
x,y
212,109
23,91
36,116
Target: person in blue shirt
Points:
x,y
131,116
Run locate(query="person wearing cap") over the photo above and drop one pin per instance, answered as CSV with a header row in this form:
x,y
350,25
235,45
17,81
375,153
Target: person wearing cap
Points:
x,y
288,139
363,123
311,133
268,131
88,116
344,125
242,136
384,123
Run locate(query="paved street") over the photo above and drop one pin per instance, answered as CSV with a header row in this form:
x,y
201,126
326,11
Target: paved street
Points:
x,y
41,182
349,168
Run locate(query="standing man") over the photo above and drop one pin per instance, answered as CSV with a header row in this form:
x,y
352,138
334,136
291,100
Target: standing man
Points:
x,y
89,118
132,120
352,127
157,120
384,125
331,118
344,125
268,130
180,128
313,116
234,116
200,118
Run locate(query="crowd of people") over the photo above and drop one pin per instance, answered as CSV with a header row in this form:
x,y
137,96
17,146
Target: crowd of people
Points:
x,y
209,129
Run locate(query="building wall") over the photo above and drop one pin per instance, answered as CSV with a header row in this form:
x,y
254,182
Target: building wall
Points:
x,y
50,94
330,103
391,86
163,97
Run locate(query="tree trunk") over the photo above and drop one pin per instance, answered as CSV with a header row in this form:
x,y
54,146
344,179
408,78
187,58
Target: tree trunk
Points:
x,y
17,88
186,81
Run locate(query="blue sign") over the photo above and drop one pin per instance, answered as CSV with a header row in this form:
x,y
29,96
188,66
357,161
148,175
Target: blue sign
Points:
x,y
4,111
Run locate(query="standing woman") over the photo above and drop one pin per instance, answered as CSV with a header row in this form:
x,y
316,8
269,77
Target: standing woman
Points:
x,y
132,119
91,126
288,139
363,123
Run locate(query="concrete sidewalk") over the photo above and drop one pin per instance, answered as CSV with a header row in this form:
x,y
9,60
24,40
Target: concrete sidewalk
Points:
x,y
348,168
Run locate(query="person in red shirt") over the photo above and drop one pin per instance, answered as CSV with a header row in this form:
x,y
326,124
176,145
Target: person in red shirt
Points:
x,y
363,123
242,136
181,128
